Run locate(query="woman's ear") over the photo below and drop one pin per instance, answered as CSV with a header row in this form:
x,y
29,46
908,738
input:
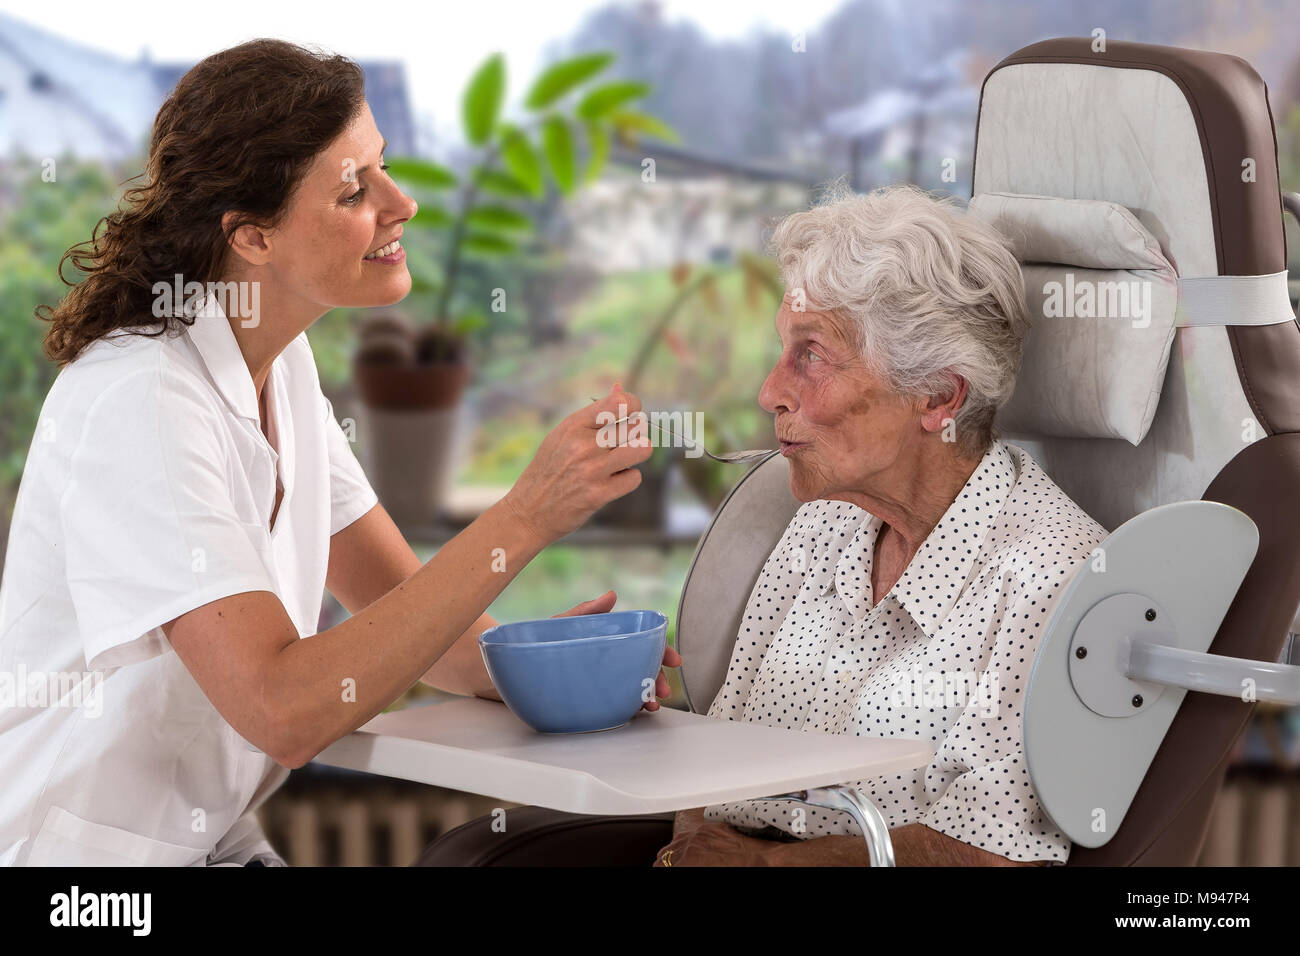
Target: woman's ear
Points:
x,y
249,242
938,409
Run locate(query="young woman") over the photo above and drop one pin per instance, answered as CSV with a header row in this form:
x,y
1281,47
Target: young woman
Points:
x,y
189,495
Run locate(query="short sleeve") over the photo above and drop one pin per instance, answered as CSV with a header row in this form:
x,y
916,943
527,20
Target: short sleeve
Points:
x,y
774,591
148,525
987,799
350,493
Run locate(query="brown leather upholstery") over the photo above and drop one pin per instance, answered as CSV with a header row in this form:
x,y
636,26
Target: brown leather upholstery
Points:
x,y
535,836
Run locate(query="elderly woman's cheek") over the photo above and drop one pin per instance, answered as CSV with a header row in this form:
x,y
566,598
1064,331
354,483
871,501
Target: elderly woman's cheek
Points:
x,y
829,397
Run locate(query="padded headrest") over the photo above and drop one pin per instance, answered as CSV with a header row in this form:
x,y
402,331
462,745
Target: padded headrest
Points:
x,y
1183,139
1102,299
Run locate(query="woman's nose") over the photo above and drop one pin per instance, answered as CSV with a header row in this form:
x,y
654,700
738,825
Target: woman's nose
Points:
x,y
410,207
402,207
775,394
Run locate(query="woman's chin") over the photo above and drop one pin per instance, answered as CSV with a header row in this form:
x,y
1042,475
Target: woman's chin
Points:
x,y
376,295
801,488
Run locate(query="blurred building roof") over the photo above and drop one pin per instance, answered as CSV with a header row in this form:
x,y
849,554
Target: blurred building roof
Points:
x,y
938,90
57,97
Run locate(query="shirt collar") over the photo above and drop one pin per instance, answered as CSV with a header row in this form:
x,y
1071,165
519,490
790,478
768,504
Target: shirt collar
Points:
x,y
217,346
937,573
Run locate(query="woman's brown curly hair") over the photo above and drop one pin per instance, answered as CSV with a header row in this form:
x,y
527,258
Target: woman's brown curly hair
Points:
x,y
237,133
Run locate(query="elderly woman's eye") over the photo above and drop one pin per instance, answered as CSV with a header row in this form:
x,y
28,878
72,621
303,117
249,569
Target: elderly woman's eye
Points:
x,y
812,356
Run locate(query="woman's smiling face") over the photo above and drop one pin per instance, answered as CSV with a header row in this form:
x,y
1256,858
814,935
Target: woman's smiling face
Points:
x,y
345,207
839,424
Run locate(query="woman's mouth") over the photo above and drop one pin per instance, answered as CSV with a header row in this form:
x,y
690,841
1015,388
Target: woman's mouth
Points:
x,y
788,447
389,254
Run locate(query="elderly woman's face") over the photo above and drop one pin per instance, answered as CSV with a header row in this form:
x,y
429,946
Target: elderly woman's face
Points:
x,y
838,423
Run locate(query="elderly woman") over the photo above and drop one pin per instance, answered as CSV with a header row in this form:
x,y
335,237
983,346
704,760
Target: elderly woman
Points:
x,y
908,594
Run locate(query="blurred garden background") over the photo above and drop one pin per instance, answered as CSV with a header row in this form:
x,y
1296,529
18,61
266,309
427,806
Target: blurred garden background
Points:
x,y
597,217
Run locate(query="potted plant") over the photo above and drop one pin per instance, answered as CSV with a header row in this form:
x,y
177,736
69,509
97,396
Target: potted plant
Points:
x,y
411,375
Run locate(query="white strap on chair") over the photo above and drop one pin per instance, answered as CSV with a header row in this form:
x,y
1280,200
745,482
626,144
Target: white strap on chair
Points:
x,y
1234,300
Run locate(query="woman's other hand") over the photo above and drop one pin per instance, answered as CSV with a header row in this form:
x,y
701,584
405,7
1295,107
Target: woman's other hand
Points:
x,y
576,470
603,605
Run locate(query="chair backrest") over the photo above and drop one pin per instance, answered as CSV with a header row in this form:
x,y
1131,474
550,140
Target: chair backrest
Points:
x,y
728,559
1183,141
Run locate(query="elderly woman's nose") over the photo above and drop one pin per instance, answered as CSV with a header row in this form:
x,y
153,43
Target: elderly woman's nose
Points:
x,y
776,393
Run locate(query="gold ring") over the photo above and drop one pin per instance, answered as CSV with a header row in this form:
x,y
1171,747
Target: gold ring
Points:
x,y
664,860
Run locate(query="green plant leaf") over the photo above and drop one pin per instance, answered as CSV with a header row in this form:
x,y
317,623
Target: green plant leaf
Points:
x,y
597,151
487,243
502,184
469,322
522,160
563,77
422,286
421,172
557,142
631,122
603,100
432,216
498,217
483,97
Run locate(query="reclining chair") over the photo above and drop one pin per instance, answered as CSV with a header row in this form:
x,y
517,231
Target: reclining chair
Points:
x,y
1143,164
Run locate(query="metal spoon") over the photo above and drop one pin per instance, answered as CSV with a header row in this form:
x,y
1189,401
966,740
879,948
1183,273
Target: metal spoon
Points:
x,y
731,458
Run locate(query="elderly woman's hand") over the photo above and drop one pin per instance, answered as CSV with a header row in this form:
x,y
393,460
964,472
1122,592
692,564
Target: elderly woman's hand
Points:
x,y
603,605
575,471
700,842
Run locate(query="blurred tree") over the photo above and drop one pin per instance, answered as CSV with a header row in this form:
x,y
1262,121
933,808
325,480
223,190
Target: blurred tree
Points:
x,y
39,221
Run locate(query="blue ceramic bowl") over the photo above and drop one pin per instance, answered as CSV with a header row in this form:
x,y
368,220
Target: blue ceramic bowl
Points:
x,y
574,675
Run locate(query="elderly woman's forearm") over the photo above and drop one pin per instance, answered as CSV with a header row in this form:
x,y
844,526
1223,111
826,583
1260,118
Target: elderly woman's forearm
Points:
x,y
914,845
331,683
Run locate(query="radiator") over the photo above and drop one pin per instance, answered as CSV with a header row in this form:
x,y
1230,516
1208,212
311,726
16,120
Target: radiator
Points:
x,y
1255,822
365,825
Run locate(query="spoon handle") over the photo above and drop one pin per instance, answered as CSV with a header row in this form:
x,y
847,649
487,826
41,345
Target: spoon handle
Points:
x,y
662,429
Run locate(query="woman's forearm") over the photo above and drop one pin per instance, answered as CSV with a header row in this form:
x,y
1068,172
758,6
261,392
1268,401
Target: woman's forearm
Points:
x,y
331,683
461,670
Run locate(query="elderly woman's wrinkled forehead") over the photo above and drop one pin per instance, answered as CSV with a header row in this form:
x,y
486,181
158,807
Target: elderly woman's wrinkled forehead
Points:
x,y
798,317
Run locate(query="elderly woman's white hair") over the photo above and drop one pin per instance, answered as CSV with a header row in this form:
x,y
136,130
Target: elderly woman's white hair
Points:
x,y
920,287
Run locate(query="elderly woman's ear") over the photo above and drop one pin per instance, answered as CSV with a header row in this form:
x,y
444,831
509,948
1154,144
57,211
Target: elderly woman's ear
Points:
x,y
938,410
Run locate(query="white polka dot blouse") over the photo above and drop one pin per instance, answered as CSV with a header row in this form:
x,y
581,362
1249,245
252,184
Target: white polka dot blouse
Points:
x,y
944,657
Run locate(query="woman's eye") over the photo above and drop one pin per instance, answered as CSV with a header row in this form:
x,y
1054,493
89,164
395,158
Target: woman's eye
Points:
x,y
356,196
812,356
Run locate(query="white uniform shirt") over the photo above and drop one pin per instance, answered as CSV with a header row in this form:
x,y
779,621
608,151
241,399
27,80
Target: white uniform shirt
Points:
x,y
944,657
148,492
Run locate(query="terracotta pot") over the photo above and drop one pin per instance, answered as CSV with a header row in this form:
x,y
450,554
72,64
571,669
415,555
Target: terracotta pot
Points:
x,y
404,387
412,432
411,459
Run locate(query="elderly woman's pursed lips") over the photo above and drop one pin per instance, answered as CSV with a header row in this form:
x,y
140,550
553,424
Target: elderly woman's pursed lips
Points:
x,y
789,447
